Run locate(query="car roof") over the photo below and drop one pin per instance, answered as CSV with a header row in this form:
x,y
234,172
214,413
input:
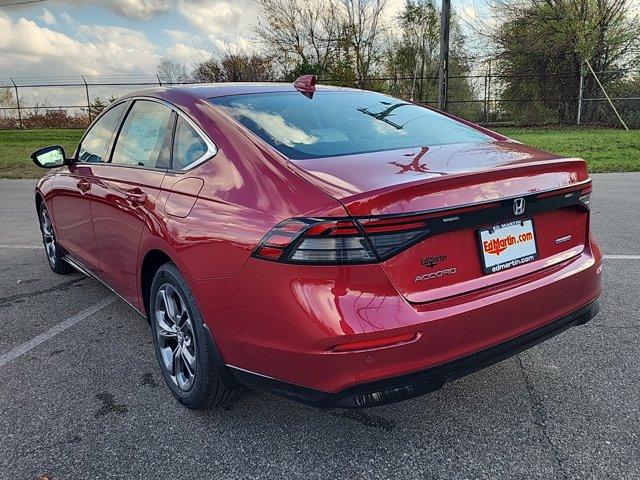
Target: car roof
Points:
x,y
212,90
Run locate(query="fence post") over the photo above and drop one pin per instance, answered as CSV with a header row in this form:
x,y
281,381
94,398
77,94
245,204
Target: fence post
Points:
x,y
86,91
17,102
486,99
489,92
580,92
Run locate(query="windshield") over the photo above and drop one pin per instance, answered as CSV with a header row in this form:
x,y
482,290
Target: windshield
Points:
x,y
334,123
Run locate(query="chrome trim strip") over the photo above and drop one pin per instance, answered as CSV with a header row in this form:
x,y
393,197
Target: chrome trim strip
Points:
x,y
249,371
85,271
212,148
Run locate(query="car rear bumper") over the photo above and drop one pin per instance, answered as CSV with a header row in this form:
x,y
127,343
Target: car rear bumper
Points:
x,y
402,387
276,326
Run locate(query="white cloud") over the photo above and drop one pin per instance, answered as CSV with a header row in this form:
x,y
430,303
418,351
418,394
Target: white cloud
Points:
x,y
469,12
68,18
230,44
137,9
142,9
213,17
224,25
26,48
187,54
224,14
177,35
47,17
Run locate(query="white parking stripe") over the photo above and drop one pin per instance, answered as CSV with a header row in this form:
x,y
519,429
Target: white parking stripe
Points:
x,y
52,332
622,257
23,247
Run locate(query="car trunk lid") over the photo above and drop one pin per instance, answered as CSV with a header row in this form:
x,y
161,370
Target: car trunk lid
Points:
x,y
449,195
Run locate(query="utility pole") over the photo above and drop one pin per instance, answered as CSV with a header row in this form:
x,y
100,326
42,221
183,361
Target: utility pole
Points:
x,y
443,80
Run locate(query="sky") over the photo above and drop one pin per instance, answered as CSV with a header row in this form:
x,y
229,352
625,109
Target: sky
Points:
x,y
58,41
117,37
55,38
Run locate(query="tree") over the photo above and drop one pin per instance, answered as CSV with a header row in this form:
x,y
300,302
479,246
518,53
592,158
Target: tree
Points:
x,y
8,101
337,39
363,31
98,104
543,44
6,97
411,58
414,54
172,72
235,67
302,34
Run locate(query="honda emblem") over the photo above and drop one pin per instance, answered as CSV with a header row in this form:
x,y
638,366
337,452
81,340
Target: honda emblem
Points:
x,y
518,206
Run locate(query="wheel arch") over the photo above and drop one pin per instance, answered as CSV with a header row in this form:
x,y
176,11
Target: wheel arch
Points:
x,y
39,200
151,262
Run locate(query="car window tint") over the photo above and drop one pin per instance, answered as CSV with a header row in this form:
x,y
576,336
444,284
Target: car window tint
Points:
x,y
95,145
336,123
145,138
188,146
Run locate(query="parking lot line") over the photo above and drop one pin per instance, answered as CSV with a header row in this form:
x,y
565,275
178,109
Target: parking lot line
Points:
x,y
52,332
23,247
622,257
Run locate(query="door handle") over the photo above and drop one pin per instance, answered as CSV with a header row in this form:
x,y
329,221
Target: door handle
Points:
x,y
136,198
84,185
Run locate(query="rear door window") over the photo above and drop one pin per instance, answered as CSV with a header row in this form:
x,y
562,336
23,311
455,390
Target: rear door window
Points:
x,y
145,138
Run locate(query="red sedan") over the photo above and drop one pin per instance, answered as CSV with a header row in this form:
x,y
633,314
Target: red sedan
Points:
x,y
334,246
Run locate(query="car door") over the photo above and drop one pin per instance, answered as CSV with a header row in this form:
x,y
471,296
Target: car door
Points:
x,y
125,189
70,202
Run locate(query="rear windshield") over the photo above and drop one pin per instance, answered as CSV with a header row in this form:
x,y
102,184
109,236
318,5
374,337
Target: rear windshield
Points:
x,y
336,123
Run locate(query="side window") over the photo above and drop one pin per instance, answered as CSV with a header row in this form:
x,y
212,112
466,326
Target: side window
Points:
x,y
188,146
145,138
95,145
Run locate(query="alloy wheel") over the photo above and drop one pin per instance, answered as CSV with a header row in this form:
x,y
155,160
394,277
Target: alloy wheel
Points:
x,y
48,237
175,336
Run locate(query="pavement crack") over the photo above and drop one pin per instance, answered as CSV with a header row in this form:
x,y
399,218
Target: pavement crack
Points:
x,y
59,286
539,417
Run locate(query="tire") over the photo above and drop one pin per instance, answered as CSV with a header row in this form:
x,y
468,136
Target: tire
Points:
x,y
51,248
182,343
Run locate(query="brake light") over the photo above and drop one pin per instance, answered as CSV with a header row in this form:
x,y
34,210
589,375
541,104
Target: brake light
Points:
x,y
316,241
337,242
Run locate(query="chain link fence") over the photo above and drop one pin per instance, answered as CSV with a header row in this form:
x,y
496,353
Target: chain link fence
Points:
x,y
489,99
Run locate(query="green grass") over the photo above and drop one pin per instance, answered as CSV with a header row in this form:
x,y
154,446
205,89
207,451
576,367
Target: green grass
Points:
x,y
17,145
606,150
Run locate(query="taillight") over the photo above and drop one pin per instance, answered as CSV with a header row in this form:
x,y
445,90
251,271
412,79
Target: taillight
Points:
x,y
389,235
337,242
315,241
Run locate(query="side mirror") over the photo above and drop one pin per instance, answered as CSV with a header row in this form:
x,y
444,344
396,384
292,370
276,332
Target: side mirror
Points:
x,y
49,157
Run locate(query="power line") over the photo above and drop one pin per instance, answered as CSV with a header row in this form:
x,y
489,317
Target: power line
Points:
x,y
23,2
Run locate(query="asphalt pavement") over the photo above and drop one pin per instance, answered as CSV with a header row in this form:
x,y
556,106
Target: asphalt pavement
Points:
x,y
82,396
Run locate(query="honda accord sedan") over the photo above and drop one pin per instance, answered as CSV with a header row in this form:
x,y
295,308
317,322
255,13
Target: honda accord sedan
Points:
x,y
338,247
